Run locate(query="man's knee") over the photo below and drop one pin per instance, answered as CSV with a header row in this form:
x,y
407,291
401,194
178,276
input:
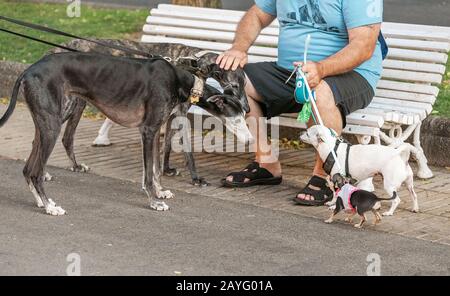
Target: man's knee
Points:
x,y
329,111
325,98
250,90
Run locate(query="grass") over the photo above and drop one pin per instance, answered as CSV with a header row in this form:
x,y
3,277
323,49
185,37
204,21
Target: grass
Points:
x,y
94,22
442,106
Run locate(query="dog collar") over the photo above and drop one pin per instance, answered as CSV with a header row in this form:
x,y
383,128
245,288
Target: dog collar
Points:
x,y
197,90
330,161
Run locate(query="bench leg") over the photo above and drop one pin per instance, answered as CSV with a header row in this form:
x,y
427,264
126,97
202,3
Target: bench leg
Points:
x,y
424,171
397,137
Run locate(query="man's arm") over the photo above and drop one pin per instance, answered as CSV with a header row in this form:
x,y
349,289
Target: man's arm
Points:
x,y
362,43
247,31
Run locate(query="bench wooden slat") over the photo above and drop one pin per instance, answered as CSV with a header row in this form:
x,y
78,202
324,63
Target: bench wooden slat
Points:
x,y
417,27
401,95
408,87
356,119
411,76
198,16
349,129
389,115
414,66
292,122
415,35
400,103
405,109
417,55
418,44
179,20
408,110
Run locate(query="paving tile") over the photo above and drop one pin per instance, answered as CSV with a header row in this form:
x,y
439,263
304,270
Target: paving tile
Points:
x,y
123,161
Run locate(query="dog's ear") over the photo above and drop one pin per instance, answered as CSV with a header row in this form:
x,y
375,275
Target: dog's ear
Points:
x,y
218,101
320,138
188,63
338,180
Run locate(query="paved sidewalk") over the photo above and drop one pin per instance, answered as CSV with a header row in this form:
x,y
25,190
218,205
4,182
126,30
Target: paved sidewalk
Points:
x,y
111,227
123,161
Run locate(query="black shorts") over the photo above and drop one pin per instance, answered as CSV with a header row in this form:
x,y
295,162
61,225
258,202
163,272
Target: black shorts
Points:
x,y
351,91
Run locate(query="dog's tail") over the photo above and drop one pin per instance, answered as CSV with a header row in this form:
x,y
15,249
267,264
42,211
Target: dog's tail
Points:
x,y
394,196
13,101
404,151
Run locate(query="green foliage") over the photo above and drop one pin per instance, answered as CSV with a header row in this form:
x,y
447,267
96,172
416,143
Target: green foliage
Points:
x,y
442,106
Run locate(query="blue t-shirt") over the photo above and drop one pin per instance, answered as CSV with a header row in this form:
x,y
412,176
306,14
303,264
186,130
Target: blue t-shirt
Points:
x,y
327,21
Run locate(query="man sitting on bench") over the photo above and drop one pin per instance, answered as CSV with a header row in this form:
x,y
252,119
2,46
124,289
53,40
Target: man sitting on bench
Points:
x,y
345,64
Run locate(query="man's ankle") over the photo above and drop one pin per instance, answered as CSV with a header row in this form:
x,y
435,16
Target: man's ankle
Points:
x,y
273,167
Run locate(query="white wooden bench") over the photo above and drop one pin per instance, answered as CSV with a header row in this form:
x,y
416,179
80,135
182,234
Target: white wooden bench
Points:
x,y
404,97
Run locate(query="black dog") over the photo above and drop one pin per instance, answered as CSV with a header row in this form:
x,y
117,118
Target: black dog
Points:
x,y
189,56
132,92
353,200
193,59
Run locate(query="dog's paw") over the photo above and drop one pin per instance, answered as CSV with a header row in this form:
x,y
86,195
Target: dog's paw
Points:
x,y
39,202
165,194
171,172
328,221
54,210
48,177
82,168
388,213
159,206
201,182
415,210
359,226
348,219
101,141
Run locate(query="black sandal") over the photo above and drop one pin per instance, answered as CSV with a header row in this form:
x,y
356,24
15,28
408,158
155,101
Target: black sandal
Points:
x,y
321,196
256,175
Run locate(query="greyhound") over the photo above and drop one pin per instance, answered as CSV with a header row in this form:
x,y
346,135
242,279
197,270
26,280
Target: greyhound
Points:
x,y
132,92
172,52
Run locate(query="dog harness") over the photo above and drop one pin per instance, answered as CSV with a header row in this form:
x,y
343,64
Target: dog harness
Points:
x,y
330,161
345,193
197,90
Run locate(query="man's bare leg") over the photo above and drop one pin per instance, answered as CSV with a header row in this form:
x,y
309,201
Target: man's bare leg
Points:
x,y
331,117
263,151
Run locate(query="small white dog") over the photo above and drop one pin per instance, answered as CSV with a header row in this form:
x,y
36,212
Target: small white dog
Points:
x,y
365,161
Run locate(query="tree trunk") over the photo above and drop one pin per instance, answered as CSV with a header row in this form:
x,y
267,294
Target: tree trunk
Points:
x,y
201,3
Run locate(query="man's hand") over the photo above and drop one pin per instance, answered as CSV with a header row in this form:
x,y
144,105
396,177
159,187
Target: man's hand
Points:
x,y
313,72
232,59
246,33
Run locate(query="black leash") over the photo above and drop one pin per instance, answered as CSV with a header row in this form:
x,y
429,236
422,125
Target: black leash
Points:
x,y
39,40
61,33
